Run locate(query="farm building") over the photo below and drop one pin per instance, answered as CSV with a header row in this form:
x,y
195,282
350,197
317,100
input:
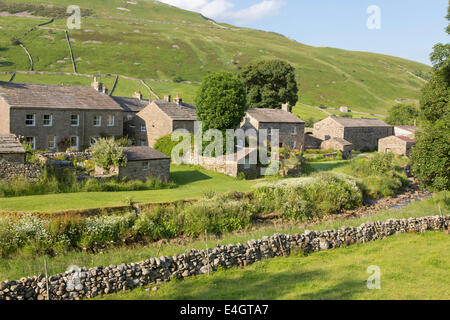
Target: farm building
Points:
x,y
338,144
399,145
142,163
362,133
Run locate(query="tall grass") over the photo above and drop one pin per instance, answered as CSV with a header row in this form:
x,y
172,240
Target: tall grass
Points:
x,y
55,180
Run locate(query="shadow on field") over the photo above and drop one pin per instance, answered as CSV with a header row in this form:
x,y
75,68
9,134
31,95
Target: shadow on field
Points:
x,y
187,177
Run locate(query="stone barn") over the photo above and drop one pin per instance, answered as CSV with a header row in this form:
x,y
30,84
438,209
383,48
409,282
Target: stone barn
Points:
x,y
362,133
11,149
142,163
338,144
399,145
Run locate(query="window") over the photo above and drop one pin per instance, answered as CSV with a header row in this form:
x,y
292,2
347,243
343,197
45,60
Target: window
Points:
x,y
110,121
247,164
97,121
74,143
143,128
51,142
145,165
31,141
30,120
75,120
294,131
48,120
129,116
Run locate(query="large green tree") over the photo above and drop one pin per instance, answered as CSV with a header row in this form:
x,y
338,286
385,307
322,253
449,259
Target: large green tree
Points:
x,y
402,114
430,158
270,83
221,102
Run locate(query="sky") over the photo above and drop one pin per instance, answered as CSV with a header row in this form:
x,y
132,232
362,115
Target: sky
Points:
x,y
403,28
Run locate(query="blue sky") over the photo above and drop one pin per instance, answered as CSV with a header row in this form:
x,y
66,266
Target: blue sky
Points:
x,y
409,28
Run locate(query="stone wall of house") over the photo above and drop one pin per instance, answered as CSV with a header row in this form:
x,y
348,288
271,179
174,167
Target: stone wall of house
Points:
x,y
395,145
61,127
367,138
87,283
312,142
13,170
159,168
288,137
333,144
4,119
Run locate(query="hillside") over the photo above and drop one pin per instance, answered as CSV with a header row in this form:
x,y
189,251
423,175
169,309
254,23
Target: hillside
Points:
x,y
145,39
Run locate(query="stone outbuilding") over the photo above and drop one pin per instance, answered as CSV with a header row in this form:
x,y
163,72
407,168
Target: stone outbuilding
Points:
x,y
11,149
339,144
291,128
142,163
399,145
159,119
362,133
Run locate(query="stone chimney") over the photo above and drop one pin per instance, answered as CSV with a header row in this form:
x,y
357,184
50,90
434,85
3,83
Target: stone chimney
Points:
x,y
167,98
98,86
178,100
286,107
137,95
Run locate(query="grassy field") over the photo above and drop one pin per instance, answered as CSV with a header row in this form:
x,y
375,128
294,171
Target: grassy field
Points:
x,y
413,266
26,264
147,49
192,183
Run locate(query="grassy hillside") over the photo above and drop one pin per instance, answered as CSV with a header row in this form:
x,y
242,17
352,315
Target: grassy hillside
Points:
x,y
164,43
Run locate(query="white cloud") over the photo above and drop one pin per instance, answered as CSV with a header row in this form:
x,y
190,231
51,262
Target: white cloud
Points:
x,y
223,9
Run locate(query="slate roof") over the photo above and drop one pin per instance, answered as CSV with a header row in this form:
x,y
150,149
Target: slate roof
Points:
x,y
31,95
273,116
408,128
359,122
10,144
131,104
342,141
175,111
143,153
406,139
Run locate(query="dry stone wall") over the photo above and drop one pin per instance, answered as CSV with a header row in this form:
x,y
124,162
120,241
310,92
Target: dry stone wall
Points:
x,y
10,170
86,283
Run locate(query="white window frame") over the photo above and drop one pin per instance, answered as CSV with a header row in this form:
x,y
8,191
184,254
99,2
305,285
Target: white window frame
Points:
x,y
54,143
33,144
50,120
72,120
99,124
145,167
33,124
129,116
294,131
111,123
143,128
77,146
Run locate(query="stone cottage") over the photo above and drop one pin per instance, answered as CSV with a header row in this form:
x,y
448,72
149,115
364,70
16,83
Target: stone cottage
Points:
x,y
58,117
11,149
291,128
400,145
362,133
338,144
142,163
160,118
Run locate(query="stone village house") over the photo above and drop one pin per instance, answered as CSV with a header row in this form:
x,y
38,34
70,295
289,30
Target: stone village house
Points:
x,y
291,128
56,117
11,149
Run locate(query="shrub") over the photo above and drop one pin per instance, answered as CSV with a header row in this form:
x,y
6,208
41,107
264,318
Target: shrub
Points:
x,y
107,153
